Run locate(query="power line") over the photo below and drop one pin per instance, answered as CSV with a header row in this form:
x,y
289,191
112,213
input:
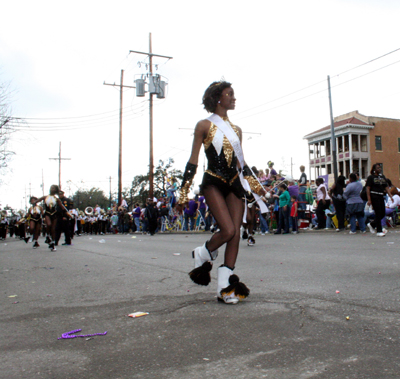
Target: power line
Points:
x,y
372,60
313,85
323,90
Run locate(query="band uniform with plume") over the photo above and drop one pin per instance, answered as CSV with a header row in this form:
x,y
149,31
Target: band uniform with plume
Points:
x,y
254,183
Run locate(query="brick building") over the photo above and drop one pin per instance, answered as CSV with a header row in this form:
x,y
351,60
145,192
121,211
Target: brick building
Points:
x,y
361,141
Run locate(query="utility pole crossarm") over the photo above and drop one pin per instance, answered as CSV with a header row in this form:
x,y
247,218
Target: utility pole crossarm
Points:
x,y
150,54
116,85
59,159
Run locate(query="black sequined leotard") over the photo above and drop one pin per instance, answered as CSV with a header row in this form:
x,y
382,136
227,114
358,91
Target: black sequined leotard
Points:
x,y
222,169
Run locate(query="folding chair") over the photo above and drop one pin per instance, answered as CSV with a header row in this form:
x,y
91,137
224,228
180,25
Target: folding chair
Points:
x,y
200,222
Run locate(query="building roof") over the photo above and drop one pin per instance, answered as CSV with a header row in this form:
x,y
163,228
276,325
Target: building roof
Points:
x,y
347,121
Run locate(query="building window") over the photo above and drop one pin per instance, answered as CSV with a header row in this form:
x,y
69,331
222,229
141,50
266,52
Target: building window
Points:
x,y
363,139
378,143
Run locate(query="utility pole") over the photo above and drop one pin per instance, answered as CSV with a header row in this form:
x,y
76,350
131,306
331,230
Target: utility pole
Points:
x,y
291,167
59,159
121,86
333,137
42,183
110,191
151,161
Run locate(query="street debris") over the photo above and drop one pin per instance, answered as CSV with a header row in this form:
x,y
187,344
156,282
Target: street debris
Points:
x,y
138,314
102,241
70,335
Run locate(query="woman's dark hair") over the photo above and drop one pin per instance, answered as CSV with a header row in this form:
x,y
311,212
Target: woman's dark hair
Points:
x,y
56,187
374,168
32,197
284,186
319,180
254,169
341,181
213,94
389,182
353,177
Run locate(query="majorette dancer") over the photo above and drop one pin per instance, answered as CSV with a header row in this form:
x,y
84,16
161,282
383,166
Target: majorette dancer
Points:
x,y
35,213
50,214
226,181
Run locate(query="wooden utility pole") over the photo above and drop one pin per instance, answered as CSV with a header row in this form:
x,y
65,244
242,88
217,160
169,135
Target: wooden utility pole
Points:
x,y
333,137
121,87
59,159
151,162
42,183
110,192
120,140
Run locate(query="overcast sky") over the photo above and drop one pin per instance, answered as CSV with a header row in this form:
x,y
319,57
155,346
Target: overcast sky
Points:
x,y
56,56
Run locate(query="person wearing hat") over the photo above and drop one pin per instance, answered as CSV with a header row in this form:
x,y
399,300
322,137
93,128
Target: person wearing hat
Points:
x,y
63,222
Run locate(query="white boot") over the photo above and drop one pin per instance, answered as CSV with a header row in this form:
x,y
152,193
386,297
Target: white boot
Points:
x,y
230,290
202,255
202,265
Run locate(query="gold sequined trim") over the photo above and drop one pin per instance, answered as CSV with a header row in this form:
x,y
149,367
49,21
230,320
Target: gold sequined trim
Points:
x,y
184,192
228,149
255,185
210,136
215,175
233,179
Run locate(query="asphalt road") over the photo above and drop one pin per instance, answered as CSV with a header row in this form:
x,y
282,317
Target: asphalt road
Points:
x,y
293,325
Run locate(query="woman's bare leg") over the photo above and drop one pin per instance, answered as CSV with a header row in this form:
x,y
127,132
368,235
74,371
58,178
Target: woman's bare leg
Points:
x,y
228,213
236,208
53,229
251,213
47,221
37,230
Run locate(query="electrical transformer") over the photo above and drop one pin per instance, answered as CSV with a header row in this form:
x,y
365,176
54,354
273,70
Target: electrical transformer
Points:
x,y
140,91
161,90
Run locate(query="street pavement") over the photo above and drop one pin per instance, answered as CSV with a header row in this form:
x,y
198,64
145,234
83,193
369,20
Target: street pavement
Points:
x,y
322,305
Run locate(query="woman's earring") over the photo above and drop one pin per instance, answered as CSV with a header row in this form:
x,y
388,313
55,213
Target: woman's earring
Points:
x,y
219,102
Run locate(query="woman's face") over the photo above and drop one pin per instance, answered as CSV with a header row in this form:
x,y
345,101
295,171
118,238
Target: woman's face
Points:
x,y
53,190
228,100
378,169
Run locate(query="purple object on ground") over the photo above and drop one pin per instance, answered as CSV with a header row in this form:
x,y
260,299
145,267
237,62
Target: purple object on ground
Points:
x,y
68,334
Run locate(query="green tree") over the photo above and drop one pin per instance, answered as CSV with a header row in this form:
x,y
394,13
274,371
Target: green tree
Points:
x,y
89,198
139,191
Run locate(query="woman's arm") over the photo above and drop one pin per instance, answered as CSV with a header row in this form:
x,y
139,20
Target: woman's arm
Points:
x,y
369,202
200,133
331,189
40,199
323,190
388,192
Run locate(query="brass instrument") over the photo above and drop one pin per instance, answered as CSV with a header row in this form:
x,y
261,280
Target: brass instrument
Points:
x,y
89,211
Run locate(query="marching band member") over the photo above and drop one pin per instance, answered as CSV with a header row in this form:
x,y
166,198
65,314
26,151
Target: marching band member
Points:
x,y
3,225
35,220
50,214
225,182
